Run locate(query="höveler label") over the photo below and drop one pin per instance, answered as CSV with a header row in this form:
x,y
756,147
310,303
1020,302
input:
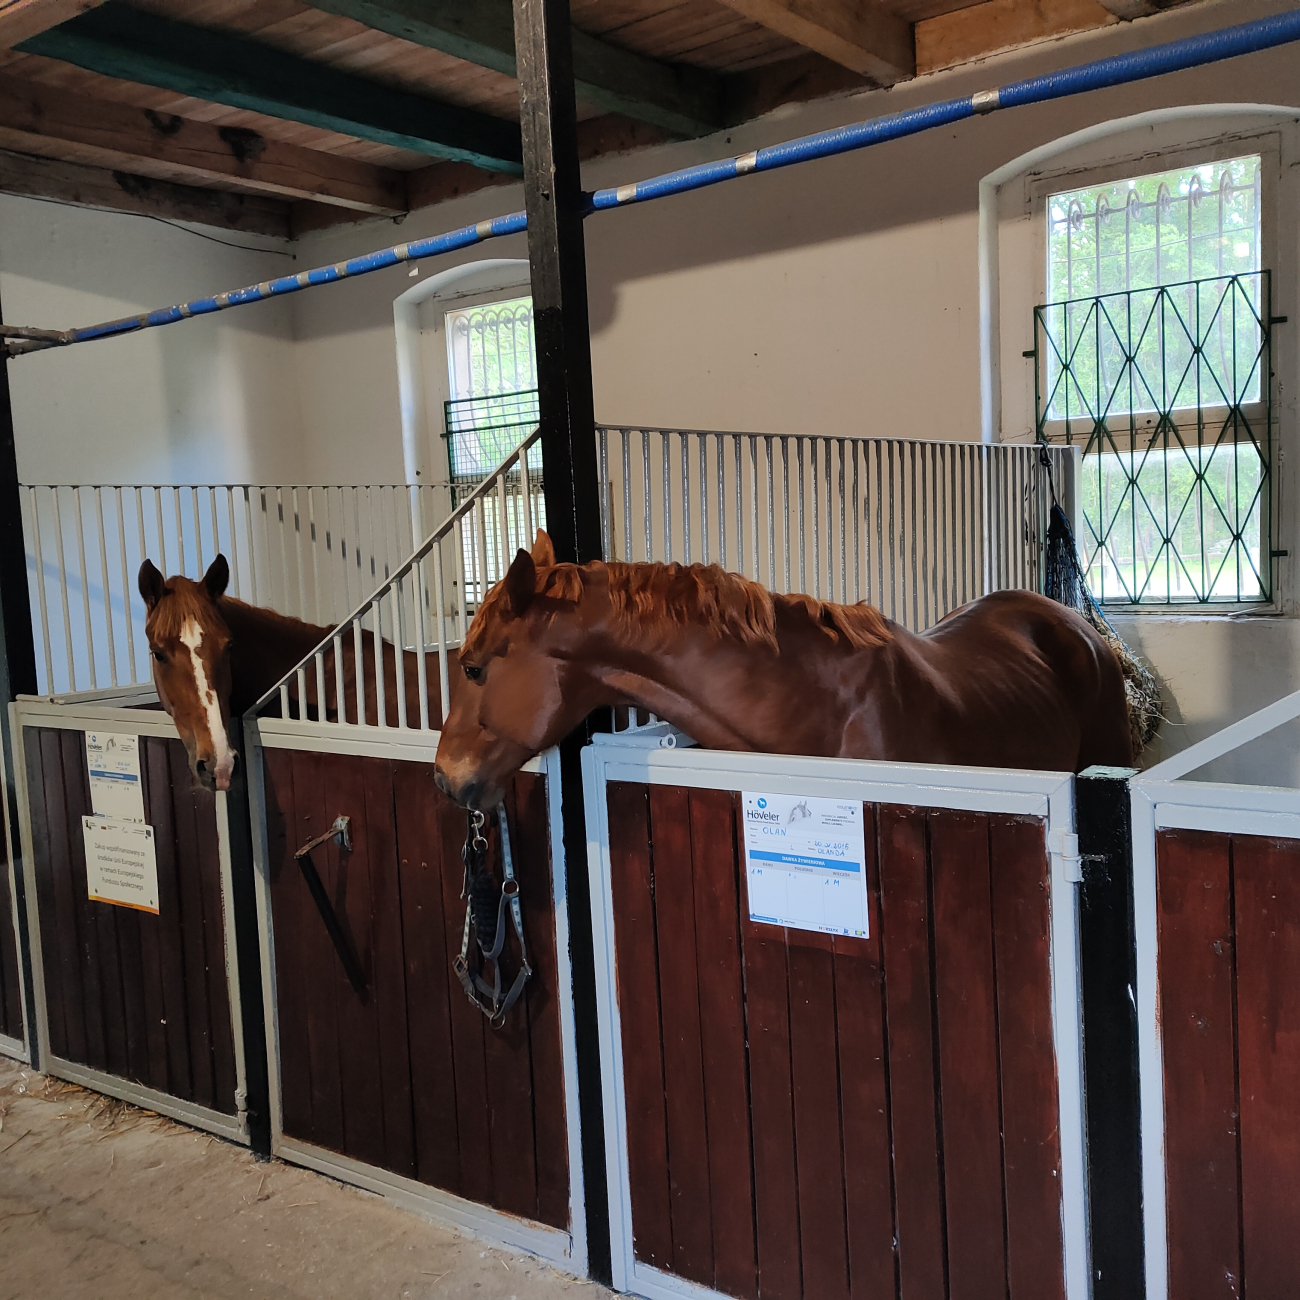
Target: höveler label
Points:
x,y
805,863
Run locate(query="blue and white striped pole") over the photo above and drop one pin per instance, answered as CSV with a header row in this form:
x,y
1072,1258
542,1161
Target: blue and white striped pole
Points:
x,y
1121,69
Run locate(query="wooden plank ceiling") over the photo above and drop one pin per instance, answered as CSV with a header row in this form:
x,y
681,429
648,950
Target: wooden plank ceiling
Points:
x,y
281,117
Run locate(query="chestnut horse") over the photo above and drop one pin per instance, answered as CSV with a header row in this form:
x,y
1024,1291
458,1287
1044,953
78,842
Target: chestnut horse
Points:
x,y
1010,680
214,657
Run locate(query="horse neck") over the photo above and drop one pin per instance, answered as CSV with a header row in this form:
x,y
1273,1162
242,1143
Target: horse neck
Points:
x,y
266,646
681,675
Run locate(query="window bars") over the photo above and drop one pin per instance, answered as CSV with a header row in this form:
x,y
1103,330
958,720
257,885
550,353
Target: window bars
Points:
x,y
1169,390
482,431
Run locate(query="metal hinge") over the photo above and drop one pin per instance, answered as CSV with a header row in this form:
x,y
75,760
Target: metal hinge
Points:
x,y
1065,845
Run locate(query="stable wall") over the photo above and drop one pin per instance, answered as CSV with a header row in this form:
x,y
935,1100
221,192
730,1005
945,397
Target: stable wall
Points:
x,y
211,400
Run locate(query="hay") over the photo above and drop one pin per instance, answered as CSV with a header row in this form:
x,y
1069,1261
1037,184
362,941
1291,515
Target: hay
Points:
x,y
1067,584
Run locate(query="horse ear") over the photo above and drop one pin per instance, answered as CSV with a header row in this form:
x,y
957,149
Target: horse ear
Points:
x,y
151,584
521,583
543,550
217,577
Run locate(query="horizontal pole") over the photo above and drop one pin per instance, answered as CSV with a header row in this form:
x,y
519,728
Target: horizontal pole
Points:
x,y
1118,70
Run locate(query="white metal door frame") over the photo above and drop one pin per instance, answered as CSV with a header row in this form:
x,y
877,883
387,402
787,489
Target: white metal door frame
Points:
x,y
566,1249
1161,800
90,713
16,1048
661,756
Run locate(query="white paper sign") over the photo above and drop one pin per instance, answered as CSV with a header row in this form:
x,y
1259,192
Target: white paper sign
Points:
x,y
120,864
805,862
114,763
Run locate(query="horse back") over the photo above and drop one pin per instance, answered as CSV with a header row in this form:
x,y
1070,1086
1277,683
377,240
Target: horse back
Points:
x,y
1037,672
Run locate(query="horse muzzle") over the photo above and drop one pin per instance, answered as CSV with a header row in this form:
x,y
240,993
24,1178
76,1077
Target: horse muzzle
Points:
x,y
467,794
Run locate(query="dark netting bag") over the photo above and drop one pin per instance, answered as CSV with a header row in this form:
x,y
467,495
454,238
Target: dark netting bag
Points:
x,y
1065,582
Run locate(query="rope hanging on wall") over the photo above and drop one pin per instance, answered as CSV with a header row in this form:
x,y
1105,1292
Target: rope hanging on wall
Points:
x,y
1065,582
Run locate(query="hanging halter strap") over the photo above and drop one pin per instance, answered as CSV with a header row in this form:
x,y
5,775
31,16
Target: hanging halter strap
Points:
x,y
485,914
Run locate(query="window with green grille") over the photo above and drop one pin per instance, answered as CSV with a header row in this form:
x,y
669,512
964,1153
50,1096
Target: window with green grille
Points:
x,y
492,368
1154,353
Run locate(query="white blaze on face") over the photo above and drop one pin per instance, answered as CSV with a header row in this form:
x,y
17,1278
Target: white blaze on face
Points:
x,y
223,756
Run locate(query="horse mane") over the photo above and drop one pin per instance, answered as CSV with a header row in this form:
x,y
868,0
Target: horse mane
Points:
x,y
654,598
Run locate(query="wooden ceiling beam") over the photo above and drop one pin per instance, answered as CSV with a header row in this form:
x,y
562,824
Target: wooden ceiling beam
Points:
x,y
1130,8
995,25
51,122
97,187
131,45
861,35
20,19
684,100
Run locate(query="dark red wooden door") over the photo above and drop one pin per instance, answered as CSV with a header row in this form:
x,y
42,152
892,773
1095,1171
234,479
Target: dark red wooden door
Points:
x,y
408,1076
810,1117
1229,962
11,1008
140,996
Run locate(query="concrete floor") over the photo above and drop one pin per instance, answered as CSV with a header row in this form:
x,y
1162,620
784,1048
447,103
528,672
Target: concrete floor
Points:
x,y
101,1201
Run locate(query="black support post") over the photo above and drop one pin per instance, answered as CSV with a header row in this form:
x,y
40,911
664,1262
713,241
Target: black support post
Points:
x,y
17,667
557,260
1107,939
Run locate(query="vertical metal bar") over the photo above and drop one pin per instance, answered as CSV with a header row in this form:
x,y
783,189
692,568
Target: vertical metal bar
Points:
x,y
703,443
911,482
358,645
340,688
785,494
180,527
803,532
740,505
126,584
771,513
422,643
198,529
924,525
216,527
444,681
63,589
686,500
85,588
626,449
399,651
668,499
315,556
40,588
297,541
606,524
252,544
893,537
855,506
646,494
722,502
108,594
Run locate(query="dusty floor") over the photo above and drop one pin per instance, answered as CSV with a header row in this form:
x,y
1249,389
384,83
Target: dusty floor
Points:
x,y
101,1201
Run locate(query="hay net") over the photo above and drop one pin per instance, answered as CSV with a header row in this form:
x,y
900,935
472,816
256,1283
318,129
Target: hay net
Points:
x,y
1065,582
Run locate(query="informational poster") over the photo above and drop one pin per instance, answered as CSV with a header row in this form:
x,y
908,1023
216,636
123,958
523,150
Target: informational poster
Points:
x,y
114,763
805,862
121,866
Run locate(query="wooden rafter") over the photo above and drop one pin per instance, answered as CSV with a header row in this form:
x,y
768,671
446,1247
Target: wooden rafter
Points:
x,y
861,35
20,19
52,122
1130,8
681,99
995,25
97,187
134,46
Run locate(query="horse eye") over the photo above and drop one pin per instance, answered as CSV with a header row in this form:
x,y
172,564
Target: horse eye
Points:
x,y
473,673
162,658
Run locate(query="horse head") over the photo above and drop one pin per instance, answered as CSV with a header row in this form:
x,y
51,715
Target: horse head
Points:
x,y
190,644
521,692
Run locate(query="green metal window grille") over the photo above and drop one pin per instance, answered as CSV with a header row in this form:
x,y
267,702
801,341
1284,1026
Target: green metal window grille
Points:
x,y
1166,381
492,365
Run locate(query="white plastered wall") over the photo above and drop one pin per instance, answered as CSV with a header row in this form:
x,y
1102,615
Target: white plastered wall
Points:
x,y
211,400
